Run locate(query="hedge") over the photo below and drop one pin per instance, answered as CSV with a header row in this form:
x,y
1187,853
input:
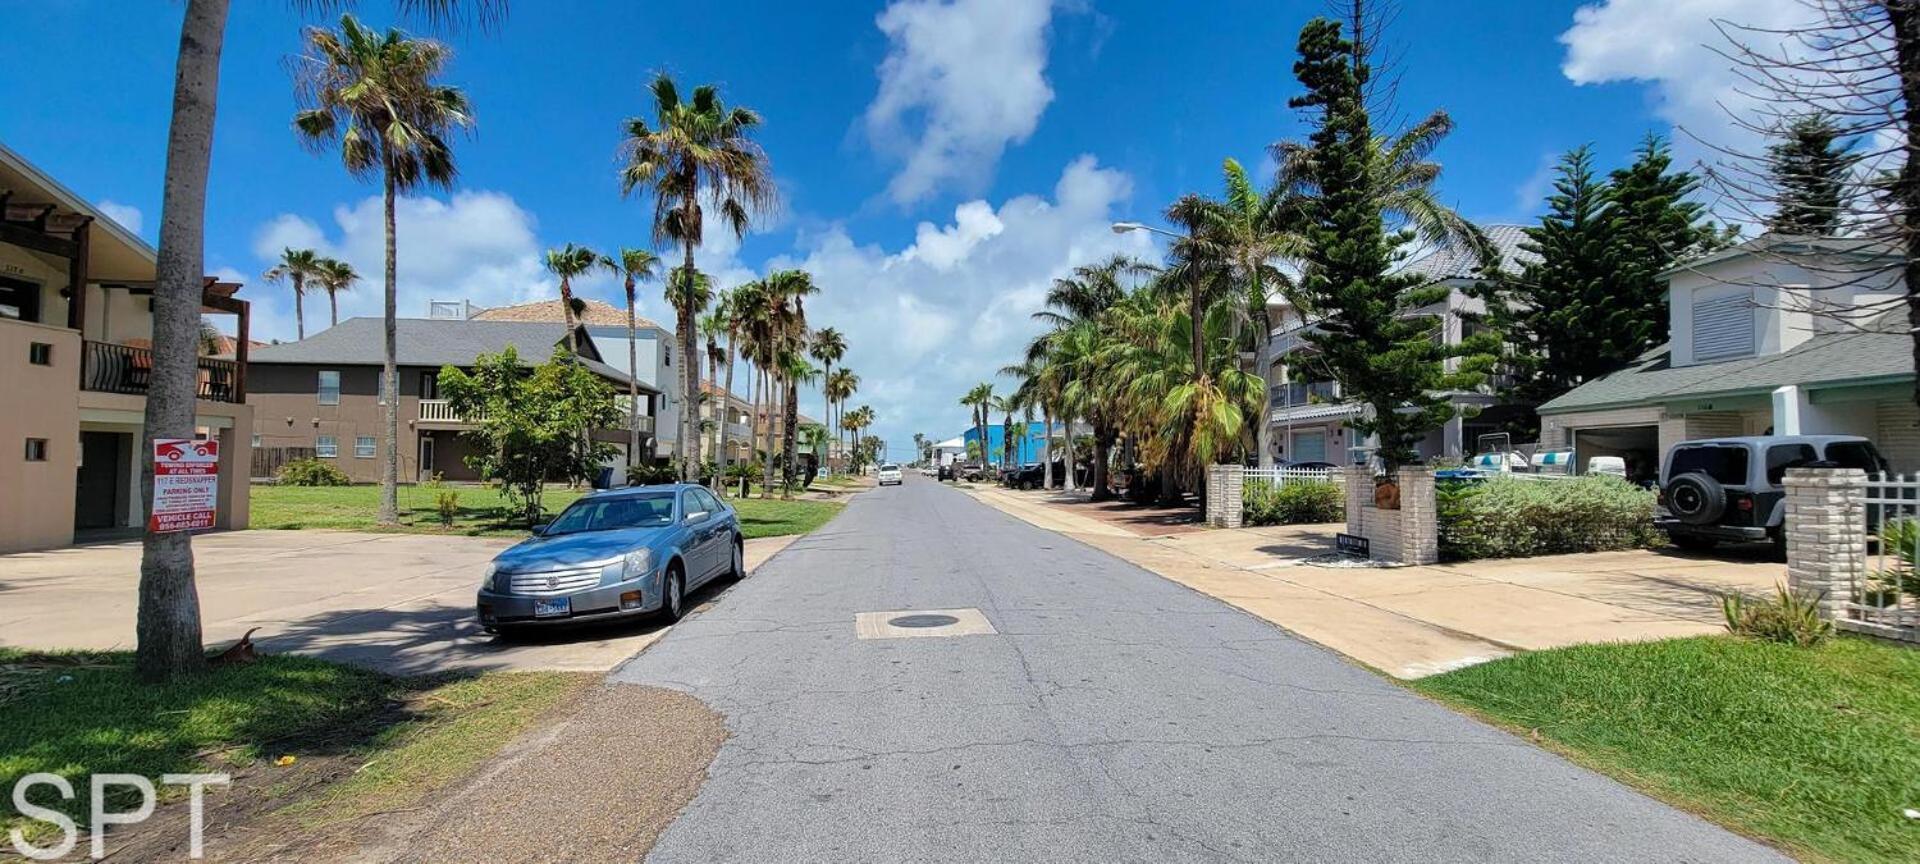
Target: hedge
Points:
x,y
1506,518
1303,502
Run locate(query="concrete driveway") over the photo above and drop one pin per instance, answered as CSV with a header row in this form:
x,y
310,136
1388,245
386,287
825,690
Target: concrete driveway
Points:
x,y
1415,621
400,603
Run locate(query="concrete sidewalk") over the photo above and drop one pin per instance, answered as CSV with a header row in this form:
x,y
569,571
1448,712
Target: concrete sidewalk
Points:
x,y
399,603
1415,621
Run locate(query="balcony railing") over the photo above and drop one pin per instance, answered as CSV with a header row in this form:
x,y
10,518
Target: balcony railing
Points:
x,y
440,411
111,368
1303,393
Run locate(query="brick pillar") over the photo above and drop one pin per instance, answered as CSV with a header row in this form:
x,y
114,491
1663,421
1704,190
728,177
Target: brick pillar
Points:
x,y
1826,525
1225,495
1419,517
1359,483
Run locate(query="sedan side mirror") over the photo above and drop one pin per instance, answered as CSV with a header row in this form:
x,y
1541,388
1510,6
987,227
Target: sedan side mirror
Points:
x,y
540,530
695,517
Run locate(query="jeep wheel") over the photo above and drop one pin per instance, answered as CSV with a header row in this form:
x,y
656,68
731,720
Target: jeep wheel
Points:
x,y
1696,498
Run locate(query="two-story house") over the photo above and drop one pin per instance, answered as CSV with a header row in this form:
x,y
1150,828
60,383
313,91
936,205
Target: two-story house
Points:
x,y
1310,417
653,347
724,415
76,331
321,397
1754,348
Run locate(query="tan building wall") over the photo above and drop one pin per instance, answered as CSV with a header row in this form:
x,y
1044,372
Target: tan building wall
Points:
x,y
288,413
36,497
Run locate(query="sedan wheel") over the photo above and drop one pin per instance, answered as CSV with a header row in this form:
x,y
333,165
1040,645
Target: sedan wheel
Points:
x,y
739,570
672,606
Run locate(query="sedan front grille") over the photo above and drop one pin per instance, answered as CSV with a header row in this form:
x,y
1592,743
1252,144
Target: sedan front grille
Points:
x,y
553,581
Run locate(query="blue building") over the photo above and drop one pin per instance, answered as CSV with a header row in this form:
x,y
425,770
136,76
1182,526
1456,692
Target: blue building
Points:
x,y
1027,450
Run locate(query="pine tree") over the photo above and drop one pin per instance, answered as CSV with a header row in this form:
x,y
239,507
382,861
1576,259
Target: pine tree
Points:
x,y
1809,168
1553,314
1653,226
1381,355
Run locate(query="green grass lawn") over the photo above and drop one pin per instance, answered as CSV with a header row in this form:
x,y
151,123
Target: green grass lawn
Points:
x,y
1817,749
482,512
82,713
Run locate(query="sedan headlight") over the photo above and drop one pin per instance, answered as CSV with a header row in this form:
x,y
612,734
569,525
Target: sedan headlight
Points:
x,y
638,563
487,579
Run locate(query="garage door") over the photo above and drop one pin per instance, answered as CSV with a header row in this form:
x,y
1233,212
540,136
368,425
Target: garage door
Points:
x,y
1310,446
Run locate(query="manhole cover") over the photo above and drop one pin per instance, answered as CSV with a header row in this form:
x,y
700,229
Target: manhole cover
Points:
x,y
923,621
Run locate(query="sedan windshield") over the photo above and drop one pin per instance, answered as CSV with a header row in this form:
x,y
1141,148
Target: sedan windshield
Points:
x,y
608,514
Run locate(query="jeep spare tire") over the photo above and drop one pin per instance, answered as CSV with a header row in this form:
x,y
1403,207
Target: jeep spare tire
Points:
x,y
1696,499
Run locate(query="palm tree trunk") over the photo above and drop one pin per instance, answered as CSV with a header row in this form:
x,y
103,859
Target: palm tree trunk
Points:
x,y
566,312
726,452
299,305
1102,442
1263,361
790,418
773,399
689,447
333,308
167,629
1069,482
1046,447
389,372
633,380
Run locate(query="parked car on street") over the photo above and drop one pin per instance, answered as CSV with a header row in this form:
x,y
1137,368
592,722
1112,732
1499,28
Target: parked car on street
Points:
x,y
1731,489
615,554
889,475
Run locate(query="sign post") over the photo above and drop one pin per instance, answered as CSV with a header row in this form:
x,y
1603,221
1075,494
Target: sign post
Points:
x,y
186,484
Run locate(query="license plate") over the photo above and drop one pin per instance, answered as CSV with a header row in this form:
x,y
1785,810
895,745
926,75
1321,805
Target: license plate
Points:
x,y
558,607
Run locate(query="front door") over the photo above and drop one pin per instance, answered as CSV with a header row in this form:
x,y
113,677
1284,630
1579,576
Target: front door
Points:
x,y
101,493
426,458
1310,446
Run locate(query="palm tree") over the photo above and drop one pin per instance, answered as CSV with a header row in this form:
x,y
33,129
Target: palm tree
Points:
x,y
1401,179
840,387
568,262
712,325
296,267
168,637
730,316
795,370
1077,307
919,445
693,149
1029,391
978,399
379,98
828,347
336,276
786,292
635,266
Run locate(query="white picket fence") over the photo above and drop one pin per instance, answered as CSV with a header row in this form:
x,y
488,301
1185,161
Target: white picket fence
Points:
x,y
1277,477
1887,600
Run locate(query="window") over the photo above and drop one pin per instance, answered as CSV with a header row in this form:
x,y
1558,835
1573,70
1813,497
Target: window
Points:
x,y
36,449
363,447
326,447
1725,464
329,387
610,513
1857,454
256,440
1723,326
701,499
1780,457
429,385
40,354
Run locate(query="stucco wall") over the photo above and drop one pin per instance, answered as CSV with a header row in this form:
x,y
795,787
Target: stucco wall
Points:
x,y
288,413
36,498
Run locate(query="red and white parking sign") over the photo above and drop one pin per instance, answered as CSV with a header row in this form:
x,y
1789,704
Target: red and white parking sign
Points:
x,y
186,484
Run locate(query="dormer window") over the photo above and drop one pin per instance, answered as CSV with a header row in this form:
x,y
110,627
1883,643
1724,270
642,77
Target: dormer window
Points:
x,y
1722,325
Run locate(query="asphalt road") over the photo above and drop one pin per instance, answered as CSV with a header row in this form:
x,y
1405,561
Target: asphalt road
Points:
x,y
1114,716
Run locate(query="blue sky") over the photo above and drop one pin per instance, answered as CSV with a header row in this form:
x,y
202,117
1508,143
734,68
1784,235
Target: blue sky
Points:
x,y
940,160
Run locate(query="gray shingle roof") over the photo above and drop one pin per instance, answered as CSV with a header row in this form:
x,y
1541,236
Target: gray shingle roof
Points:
x,y
430,342
1455,262
1833,358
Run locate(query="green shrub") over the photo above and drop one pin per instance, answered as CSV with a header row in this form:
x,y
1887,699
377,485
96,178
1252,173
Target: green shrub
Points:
x,y
311,472
1788,618
648,475
448,505
1507,518
1308,502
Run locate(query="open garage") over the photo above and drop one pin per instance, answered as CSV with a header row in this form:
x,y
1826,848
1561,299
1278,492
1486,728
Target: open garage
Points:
x,y
1638,446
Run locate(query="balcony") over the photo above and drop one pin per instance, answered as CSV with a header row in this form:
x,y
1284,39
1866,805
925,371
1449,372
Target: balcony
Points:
x,y
107,367
1302,393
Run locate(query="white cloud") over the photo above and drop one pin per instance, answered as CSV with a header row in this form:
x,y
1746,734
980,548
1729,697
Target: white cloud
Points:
x,y
126,214
962,79
1671,44
477,246
925,322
